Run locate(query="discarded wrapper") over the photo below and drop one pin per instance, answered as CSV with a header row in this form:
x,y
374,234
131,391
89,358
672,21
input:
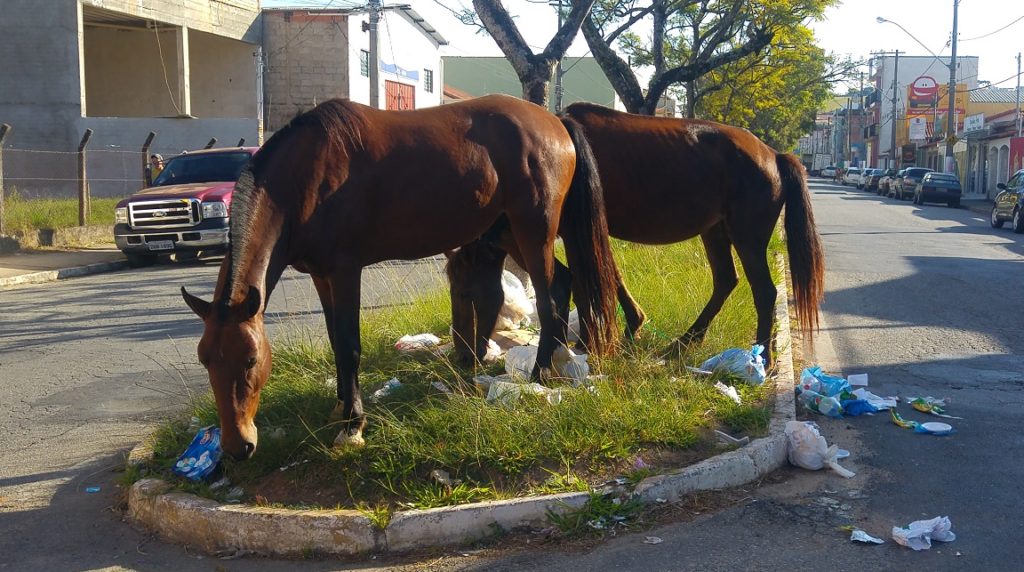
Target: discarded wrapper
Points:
x,y
418,342
859,535
931,428
385,390
728,391
201,456
930,405
919,534
652,540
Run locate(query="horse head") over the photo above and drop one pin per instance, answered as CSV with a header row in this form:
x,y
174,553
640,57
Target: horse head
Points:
x,y
236,354
474,273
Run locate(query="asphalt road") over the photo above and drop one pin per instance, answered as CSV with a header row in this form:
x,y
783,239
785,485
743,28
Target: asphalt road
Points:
x,y
923,299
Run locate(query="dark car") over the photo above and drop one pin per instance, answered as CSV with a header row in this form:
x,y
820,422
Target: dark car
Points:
x,y
872,179
938,188
185,212
1009,203
906,184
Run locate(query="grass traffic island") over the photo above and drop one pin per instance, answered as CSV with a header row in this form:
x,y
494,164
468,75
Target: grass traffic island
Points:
x,y
435,442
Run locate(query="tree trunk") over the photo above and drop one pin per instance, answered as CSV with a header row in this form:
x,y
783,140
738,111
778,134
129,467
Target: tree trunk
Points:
x,y
691,99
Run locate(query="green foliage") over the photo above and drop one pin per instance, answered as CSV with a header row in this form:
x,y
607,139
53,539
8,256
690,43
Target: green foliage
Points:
x,y
21,214
775,95
642,406
599,514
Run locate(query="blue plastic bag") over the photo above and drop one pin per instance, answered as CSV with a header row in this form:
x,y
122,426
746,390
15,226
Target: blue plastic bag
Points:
x,y
855,407
815,380
201,456
748,365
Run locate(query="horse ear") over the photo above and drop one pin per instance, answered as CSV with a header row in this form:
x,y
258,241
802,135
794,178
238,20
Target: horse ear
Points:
x,y
198,305
253,302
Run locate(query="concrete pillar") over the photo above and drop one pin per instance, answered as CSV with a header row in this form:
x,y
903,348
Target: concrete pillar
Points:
x,y
81,60
184,89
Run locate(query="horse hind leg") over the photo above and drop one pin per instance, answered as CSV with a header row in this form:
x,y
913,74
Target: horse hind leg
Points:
x,y
754,259
635,316
717,246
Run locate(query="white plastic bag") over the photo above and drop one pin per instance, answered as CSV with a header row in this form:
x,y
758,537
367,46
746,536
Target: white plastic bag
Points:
x,y
519,362
919,534
409,344
515,312
809,450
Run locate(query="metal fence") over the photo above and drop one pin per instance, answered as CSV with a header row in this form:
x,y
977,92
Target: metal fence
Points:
x,y
82,173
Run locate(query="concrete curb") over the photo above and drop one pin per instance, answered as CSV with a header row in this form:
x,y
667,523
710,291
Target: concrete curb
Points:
x,y
211,526
51,275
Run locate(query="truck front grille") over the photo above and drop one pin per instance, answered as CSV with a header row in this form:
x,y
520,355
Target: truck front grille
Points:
x,y
164,214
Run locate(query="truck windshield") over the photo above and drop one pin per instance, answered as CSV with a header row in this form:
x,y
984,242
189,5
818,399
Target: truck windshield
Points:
x,y
202,168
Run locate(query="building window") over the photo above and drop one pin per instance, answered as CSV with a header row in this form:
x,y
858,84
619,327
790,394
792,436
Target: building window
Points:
x,y
364,63
428,80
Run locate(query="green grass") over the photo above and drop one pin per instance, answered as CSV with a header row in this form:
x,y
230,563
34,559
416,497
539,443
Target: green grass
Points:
x,y
643,410
21,214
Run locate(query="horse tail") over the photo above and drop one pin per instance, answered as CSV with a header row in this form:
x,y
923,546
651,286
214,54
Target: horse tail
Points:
x,y
806,256
584,230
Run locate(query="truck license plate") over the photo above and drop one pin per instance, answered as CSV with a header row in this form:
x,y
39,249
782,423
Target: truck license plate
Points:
x,y
161,245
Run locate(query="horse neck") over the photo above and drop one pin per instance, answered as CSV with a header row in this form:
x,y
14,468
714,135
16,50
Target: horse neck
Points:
x,y
260,258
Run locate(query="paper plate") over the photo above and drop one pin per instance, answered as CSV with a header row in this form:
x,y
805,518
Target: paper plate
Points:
x,y
937,427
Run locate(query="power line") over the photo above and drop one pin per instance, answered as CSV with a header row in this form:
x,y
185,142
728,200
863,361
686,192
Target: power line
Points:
x,y
994,31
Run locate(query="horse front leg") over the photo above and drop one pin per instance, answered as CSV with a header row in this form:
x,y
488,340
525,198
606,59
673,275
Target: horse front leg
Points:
x,y
718,248
344,288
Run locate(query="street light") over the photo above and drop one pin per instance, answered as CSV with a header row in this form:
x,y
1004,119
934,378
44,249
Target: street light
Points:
x,y
950,91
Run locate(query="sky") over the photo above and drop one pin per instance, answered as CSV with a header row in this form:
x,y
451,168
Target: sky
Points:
x,y
848,29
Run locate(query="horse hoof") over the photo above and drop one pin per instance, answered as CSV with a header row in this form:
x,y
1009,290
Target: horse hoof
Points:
x,y
345,440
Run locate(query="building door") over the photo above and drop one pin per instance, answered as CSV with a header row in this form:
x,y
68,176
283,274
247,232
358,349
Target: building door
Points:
x,y
399,96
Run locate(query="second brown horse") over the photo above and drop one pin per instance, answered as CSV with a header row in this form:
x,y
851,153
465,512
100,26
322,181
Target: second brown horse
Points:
x,y
667,180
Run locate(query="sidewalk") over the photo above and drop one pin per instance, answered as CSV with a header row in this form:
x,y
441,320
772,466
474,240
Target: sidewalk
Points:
x,y
35,266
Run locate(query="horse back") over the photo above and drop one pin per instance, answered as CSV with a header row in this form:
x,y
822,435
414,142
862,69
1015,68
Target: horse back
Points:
x,y
669,179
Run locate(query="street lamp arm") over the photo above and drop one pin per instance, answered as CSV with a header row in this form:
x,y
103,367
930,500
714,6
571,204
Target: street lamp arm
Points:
x,y
882,20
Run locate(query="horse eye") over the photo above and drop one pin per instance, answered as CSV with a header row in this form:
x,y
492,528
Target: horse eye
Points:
x,y
251,363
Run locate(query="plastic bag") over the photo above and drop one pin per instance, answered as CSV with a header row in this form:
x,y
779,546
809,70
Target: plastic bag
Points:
x,y
813,379
519,362
919,534
515,312
408,344
201,456
809,450
748,365
877,401
507,393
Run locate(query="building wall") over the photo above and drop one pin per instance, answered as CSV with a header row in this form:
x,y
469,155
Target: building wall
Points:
x,y
583,79
402,44
40,95
236,19
223,76
123,75
306,59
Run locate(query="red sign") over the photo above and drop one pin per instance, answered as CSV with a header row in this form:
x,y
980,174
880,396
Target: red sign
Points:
x,y
923,93
1016,154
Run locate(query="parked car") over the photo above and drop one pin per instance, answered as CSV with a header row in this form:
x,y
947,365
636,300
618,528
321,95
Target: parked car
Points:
x,y
1009,203
851,176
938,188
906,184
871,179
885,181
829,172
186,210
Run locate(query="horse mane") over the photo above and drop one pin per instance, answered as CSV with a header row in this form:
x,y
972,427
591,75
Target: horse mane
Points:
x,y
335,125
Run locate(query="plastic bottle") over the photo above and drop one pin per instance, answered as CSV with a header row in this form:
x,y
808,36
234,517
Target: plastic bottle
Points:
x,y
822,404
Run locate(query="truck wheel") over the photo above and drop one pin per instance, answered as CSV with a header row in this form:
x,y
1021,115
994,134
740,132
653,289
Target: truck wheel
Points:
x,y
140,260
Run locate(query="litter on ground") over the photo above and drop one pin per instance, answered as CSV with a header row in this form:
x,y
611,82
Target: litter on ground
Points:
x,y
859,535
728,391
919,534
201,456
809,450
748,365
419,342
932,428
652,540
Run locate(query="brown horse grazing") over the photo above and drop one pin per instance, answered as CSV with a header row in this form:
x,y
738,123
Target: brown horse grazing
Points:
x,y
667,180
344,186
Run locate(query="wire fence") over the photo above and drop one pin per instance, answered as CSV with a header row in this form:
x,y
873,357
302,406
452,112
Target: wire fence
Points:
x,y
83,173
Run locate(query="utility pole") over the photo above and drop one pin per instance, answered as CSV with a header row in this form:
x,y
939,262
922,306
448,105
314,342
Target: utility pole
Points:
x,y
951,95
1018,94
558,65
849,128
374,54
895,103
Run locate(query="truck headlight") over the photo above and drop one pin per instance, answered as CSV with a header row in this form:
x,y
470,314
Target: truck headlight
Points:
x,y
121,214
215,210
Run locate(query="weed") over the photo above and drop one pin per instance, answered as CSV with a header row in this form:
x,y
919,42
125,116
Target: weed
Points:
x,y
600,513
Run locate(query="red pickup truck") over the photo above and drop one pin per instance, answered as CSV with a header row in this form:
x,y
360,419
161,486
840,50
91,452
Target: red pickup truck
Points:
x,y
186,211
